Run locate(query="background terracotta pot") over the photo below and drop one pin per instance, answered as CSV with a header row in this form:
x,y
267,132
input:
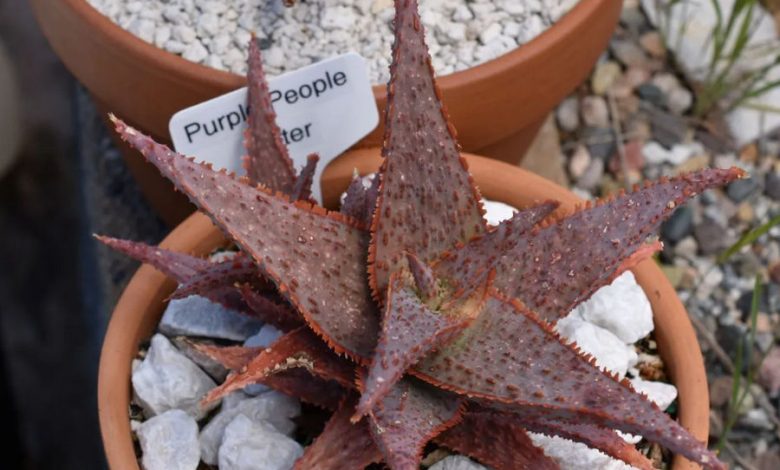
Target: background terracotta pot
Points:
x,y
497,107
139,309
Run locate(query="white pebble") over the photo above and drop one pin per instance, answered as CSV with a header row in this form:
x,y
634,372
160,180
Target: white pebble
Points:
x,y
245,443
169,442
607,349
166,379
457,462
272,408
621,308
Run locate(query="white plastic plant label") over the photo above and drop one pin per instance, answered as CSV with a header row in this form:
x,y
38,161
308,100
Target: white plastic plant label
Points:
x,y
323,108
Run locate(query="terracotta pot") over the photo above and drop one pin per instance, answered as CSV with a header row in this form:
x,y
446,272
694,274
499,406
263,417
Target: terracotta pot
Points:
x,y
139,309
497,107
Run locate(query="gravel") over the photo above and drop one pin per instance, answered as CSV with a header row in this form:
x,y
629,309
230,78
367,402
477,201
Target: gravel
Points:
x,y
460,34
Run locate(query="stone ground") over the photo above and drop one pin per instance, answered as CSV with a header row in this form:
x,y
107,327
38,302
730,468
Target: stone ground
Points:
x,y
57,288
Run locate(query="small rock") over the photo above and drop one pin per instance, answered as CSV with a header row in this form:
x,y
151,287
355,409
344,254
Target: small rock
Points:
x,y
745,212
697,162
167,380
635,160
592,176
594,111
600,141
749,153
169,441
272,408
198,316
457,462
267,335
579,162
621,307
246,443
635,76
687,248
740,190
679,225
668,129
756,419
660,393
568,114
711,237
656,153
651,93
653,44
769,373
772,185
679,100
604,76
216,370
607,349
628,53
720,390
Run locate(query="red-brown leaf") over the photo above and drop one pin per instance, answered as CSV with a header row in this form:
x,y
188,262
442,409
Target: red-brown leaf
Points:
x,y
296,349
267,161
560,265
510,358
316,258
342,445
501,444
427,199
408,417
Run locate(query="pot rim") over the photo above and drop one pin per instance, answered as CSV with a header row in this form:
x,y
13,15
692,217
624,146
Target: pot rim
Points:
x,y
164,60
141,304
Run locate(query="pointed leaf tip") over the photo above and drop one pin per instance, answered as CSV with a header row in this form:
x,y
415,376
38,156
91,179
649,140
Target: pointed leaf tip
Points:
x,y
428,201
562,264
302,187
267,161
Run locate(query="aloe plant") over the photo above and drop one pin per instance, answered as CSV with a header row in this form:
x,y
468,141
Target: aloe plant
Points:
x,y
405,313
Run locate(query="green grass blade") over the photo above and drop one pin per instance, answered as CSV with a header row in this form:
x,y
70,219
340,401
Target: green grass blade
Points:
x,y
748,238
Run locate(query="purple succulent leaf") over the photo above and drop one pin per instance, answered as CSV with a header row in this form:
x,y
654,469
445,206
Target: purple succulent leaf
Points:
x,y
409,416
270,311
308,388
359,201
424,278
427,199
342,445
316,258
267,162
512,360
558,266
178,266
230,357
500,444
595,437
297,349
237,269
470,264
181,267
410,330
302,187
